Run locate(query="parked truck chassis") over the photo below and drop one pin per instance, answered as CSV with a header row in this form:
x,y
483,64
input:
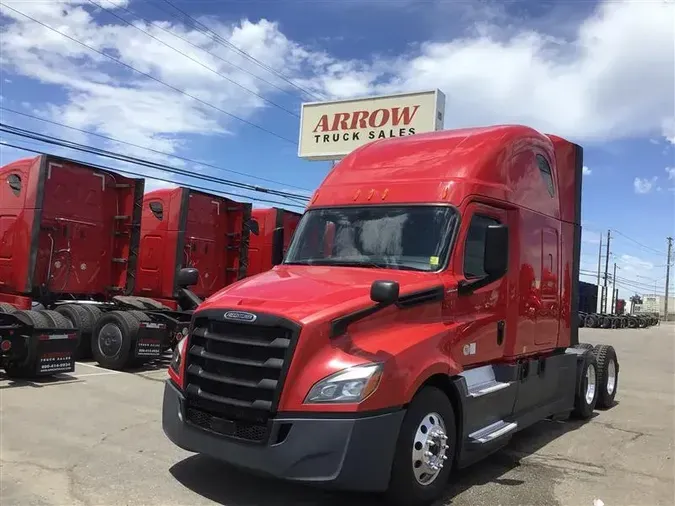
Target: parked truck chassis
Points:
x,y
612,321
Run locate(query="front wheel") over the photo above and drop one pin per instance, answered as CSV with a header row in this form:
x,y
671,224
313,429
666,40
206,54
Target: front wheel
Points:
x,y
424,451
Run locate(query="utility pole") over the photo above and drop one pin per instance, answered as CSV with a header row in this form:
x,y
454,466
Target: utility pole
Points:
x,y
613,291
604,306
598,304
665,305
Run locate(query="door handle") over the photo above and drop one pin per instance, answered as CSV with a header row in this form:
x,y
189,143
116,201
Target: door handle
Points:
x,y
500,332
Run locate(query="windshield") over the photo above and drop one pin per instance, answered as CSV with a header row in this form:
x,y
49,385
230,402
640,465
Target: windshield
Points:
x,y
410,237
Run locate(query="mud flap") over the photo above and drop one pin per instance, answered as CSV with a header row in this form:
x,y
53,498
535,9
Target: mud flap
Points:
x,y
54,351
151,340
36,352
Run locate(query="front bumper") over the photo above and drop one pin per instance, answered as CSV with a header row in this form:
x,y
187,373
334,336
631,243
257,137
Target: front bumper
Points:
x,y
341,453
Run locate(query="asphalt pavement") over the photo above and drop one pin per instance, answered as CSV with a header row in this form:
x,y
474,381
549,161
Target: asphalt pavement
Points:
x,y
94,438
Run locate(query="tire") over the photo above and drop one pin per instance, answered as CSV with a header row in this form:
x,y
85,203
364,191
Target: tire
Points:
x,y
7,308
404,487
112,339
583,407
26,368
56,319
81,319
608,375
583,346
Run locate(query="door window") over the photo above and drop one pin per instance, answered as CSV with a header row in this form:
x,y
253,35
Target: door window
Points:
x,y
474,247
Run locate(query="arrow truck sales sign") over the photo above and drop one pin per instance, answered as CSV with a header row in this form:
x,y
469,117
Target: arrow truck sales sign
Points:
x,y
331,130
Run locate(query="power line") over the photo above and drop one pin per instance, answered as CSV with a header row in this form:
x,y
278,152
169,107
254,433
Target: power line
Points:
x,y
196,46
638,243
178,157
194,59
139,161
228,44
149,76
125,171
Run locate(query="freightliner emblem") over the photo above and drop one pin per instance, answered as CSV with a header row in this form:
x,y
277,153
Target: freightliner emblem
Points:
x,y
240,316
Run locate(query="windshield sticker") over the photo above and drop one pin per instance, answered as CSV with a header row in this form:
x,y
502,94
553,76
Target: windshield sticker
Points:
x,y
434,261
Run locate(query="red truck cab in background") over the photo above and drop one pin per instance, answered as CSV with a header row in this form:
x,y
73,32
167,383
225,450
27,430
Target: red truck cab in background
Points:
x,y
425,312
186,228
270,235
86,267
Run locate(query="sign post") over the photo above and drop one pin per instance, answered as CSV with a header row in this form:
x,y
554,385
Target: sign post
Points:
x,y
331,130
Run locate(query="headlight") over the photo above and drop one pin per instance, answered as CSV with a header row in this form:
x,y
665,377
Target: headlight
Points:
x,y
178,353
349,385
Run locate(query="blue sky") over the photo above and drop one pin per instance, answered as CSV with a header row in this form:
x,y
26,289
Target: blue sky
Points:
x,y
601,74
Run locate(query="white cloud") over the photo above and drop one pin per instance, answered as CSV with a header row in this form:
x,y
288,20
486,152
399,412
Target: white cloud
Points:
x,y
671,172
634,265
156,184
590,237
611,78
643,185
615,78
668,129
586,171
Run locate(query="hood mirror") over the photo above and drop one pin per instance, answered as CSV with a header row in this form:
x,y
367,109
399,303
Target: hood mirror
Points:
x,y
187,276
384,292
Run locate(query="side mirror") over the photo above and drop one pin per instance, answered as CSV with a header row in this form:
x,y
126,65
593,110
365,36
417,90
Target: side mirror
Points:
x,y
277,246
187,276
254,226
496,258
384,292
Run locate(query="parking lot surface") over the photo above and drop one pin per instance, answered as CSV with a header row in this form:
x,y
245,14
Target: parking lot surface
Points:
x,y
94,438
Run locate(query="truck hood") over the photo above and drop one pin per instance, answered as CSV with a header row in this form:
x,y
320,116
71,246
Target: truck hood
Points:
x,y
312,292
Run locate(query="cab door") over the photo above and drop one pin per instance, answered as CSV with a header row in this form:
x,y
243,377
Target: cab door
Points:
x,y
480,317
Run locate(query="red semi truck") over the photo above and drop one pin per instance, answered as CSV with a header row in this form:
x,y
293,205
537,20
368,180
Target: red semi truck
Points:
x,y
271,233
72,240
404,334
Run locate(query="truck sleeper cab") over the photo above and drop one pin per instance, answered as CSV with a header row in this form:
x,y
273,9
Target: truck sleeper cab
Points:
x,y
270,235
425,312
70,235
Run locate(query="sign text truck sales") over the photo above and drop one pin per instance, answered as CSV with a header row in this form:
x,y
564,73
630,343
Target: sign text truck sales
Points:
x,y
331,130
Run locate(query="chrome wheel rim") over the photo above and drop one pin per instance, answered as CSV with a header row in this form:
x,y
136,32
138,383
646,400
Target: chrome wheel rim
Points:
x,y
590,383
429,449
110,340
611,377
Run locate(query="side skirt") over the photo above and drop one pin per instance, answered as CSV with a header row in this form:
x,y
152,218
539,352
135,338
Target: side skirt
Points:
x,y
500,400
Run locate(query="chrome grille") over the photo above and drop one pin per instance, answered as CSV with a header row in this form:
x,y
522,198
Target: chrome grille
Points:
x,y
235,371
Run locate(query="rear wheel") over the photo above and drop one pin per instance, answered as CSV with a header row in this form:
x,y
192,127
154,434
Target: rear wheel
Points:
x,y
56,319
6,308
608,375
425,450
26,367
586,386
583,346
81,319
112,339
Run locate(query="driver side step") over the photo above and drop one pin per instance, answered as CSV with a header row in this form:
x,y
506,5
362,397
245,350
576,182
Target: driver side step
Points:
x,y
492,432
